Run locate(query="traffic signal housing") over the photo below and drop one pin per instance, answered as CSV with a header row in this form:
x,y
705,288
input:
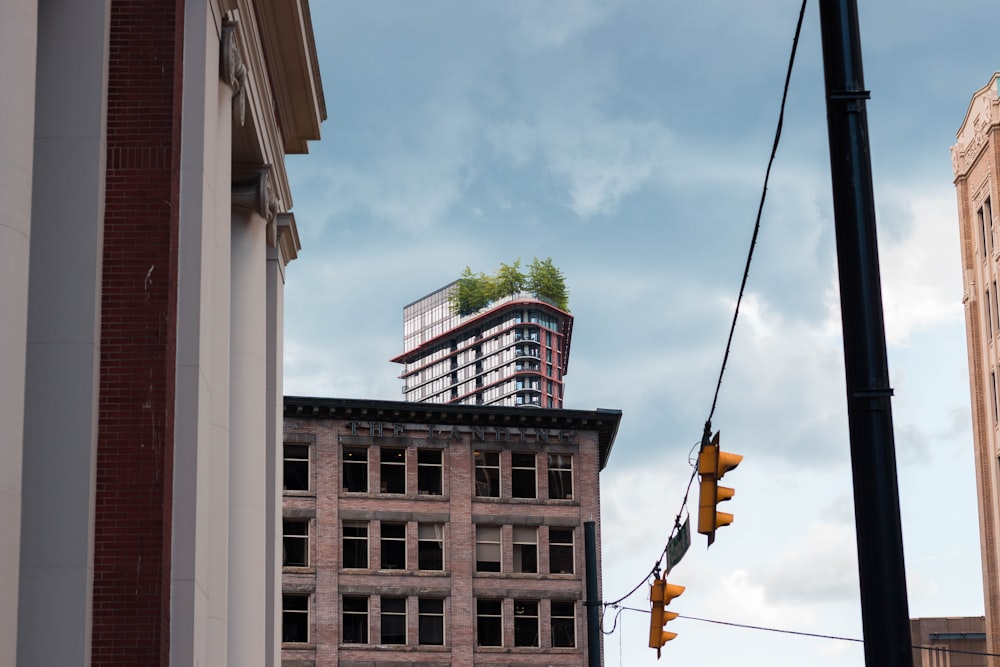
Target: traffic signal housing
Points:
x,y
712,465
660,595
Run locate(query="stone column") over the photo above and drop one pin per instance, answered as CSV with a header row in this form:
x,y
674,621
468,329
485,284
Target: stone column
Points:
x,y
18,33
254,207
283,242
63,340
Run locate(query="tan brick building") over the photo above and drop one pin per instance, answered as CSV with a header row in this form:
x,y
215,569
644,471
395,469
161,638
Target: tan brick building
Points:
x,y
976,163
435,535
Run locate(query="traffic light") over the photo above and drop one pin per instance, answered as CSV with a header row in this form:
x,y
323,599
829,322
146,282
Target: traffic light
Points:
x,y
660,595
712,465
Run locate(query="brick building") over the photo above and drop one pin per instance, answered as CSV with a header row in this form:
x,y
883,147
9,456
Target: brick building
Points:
x,y
976,165
145,228
438,535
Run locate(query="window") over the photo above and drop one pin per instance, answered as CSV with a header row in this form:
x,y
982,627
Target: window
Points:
x,y
356,469
393,620
355,545
393,470
296,470
355,620
487,548
996,311
525,549
989,314
996,406
561,550
295,543
489,622
488,474
560,476
980,214
563,624
429,472
393,546
430,546
295,619
431,621
522,476
525,623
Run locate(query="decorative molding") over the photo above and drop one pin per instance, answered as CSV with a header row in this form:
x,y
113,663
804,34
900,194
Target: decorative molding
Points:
x,y
233,70
257,195
287,237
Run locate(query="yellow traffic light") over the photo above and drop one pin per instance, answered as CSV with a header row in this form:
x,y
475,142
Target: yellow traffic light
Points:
x,y
660,595
712,465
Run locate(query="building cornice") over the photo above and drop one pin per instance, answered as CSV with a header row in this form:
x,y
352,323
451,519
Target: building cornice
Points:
x,y
604,421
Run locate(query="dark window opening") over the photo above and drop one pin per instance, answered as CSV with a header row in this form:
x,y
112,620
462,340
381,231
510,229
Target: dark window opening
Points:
x,y
431,622
355,620
356,470
488,474
563,624
393,546
393,620
295,619
525,623
295,543
489,622
429,472
296,468
522,476
393,470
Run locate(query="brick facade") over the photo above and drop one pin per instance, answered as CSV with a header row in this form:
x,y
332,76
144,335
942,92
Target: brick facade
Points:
x,y
540,537
132,540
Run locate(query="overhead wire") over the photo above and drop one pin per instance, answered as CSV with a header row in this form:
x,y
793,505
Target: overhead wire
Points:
x,y
816,635
746,273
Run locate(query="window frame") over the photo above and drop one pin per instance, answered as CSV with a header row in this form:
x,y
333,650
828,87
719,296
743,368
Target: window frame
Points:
x,y
288,615
489,616
397,468
482,543
558,622
359,464
518,469
425,470
288,537
559,475
486,482
295,462
524,540
423,541
523,623
561,545
355,538
428,616
356,616
394,541
392,616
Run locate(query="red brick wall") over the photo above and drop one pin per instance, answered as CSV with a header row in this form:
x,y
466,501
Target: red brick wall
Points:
x,y
138,336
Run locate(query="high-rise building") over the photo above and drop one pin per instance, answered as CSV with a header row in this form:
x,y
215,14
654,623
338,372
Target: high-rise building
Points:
x,y
422,534
513,352
145,228
976,163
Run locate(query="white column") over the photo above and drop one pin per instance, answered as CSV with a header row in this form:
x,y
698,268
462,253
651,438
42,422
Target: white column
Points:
x,y
18,32
283,247
253,207
200,537
63,339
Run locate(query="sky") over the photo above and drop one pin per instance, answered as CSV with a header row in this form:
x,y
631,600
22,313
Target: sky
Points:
x,y
628,141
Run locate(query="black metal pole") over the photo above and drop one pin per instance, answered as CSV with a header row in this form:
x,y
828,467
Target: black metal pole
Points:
x,y
884,611
593,597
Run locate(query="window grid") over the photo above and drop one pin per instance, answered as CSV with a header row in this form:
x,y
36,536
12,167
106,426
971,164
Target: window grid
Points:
x,y
525,549
355,620
489,622
525,622
487,474
429,472
355,545
430,546
393,556
563,617
393,470
430,618
522,476
561,551
393,626
560,476
296,468
488,549
355,472
295,543
295,619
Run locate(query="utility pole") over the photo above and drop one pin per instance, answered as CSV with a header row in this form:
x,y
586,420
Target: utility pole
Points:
x,y
884,610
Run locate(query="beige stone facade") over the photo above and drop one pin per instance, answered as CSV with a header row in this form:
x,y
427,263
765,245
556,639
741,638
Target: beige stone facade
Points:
x,y
976,163
437,535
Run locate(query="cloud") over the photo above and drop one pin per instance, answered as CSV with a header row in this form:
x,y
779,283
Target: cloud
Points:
x,y
551,24
598,161
819,566
920,267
